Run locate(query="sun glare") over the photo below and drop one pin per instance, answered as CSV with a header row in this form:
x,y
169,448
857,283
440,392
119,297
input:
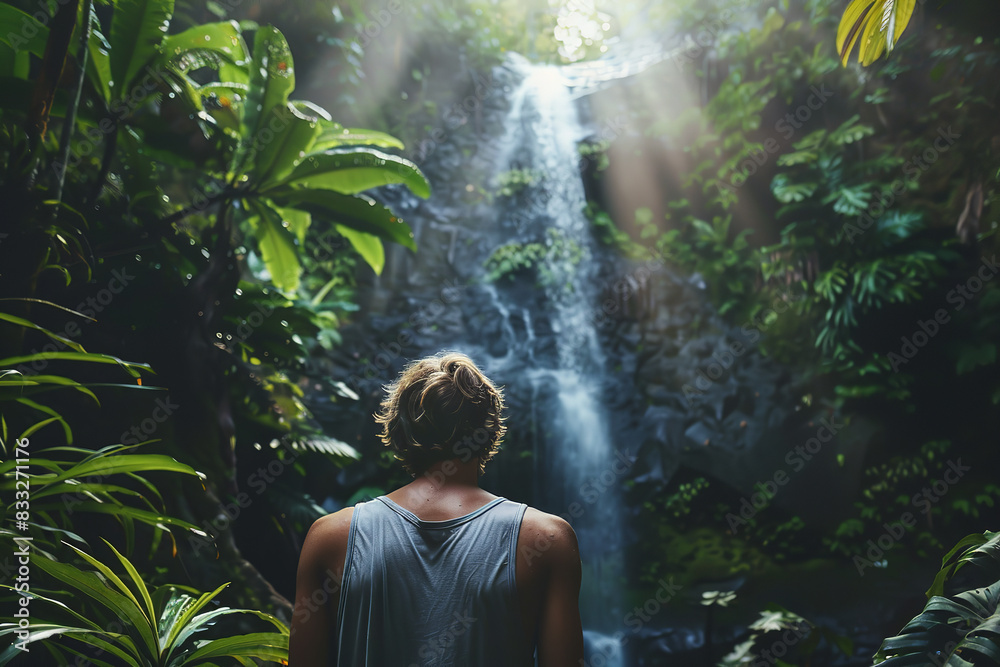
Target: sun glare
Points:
x,y
579,25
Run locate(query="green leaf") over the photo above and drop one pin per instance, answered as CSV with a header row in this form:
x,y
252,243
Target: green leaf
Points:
x,y
333,135
128,513
798,157
128,366
264,645
277,247
97,591
111,465
114,579
368,246
972,356
199,622
786,191
223,38
19,39
99,59
137,581
224,103
20,321
181,627
297,220
352,171
42,631
848,132
272,79
358,212
137,29
290,135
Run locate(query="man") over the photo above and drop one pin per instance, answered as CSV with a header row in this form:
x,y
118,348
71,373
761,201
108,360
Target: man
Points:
x,y
439,572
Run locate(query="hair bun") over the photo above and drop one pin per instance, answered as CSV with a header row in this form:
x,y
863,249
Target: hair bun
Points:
x,y
466,379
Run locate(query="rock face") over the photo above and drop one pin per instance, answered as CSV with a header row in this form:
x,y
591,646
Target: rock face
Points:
x,y
627,356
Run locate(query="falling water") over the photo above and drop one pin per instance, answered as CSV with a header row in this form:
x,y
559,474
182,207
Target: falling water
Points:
x,y
579,471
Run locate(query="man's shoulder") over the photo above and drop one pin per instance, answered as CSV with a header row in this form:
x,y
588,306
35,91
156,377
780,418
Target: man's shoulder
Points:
x,y
331,530
536,518
548,534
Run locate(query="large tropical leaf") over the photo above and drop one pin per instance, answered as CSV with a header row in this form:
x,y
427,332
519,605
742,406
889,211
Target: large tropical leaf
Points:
x,y
225,39
162,626
96,590
876,24
137,30
355,170
367,245
99,59
265,645
357,212
334,135
272,79
31,37
962,630
291,135
277,247
982,550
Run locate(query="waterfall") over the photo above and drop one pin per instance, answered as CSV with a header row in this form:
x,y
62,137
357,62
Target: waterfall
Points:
x,y
579,468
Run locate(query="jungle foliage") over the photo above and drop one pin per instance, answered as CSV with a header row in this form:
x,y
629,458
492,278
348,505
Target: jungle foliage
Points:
x,y
874,217
168,199
958,626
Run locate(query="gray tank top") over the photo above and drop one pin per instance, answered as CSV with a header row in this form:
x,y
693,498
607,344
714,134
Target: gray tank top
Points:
x,y
418,593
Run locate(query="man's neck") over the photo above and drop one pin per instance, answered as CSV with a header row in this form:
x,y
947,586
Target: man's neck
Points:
x,y
448,475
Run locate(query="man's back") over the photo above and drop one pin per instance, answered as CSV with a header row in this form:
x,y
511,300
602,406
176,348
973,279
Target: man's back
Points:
x,y
431,592
546,583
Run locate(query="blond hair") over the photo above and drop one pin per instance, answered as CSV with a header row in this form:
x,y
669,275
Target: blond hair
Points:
x,y
439,408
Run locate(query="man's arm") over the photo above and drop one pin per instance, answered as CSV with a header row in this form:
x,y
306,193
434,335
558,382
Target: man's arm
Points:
x,y
317,590
560,633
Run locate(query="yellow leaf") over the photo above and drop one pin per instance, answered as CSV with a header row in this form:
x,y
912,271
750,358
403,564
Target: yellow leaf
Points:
x,y
852,15
856,28
871,33
875,25
902,13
